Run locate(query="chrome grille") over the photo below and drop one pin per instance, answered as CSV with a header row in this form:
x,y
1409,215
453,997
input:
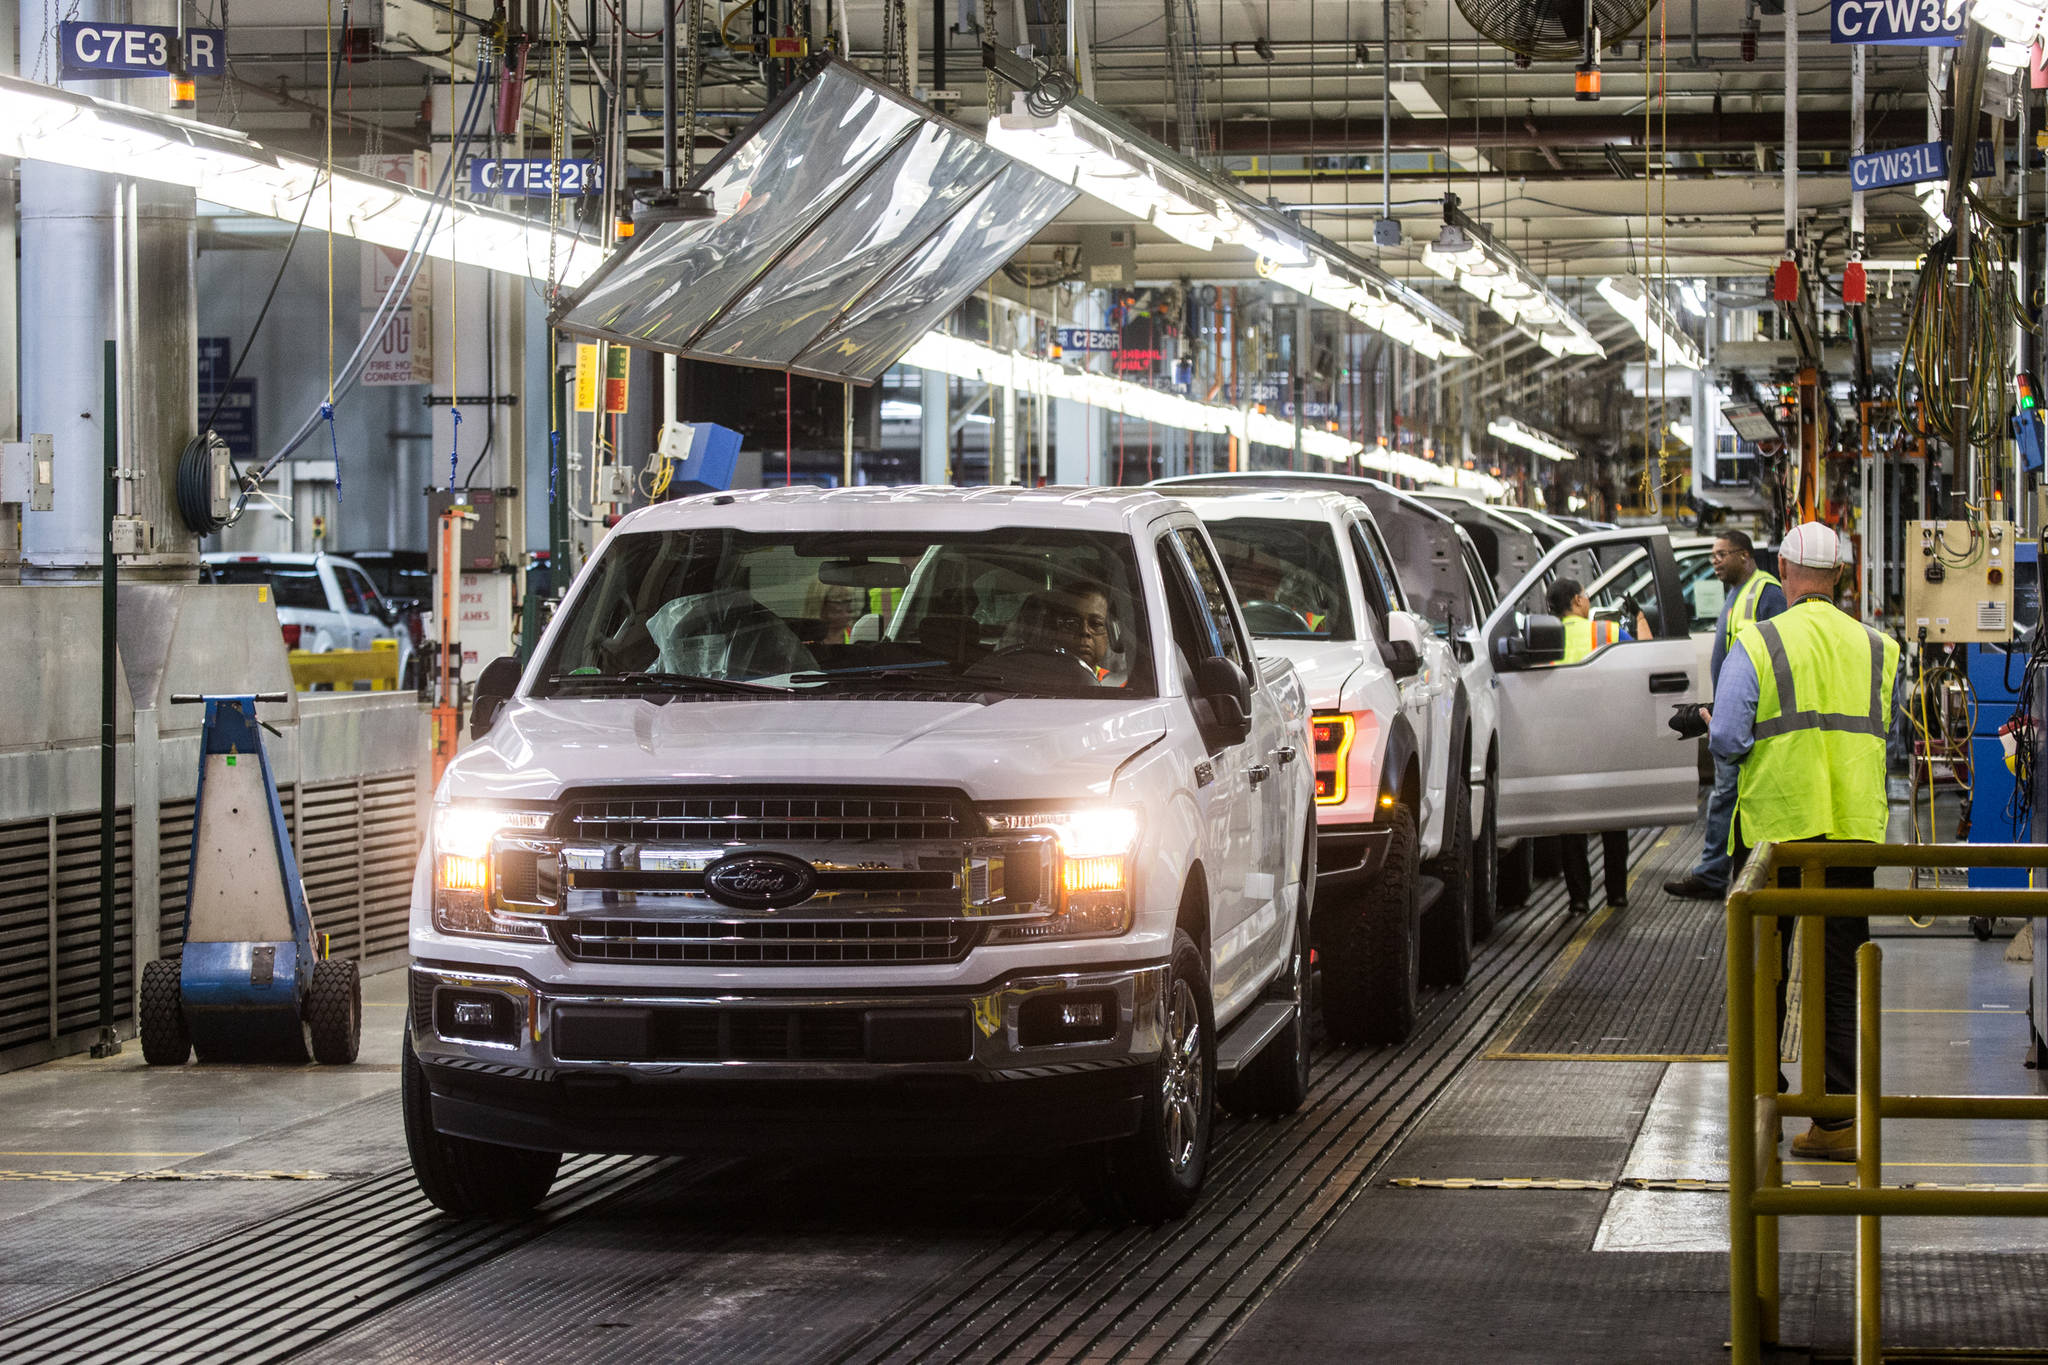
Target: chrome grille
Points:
x,y
792,943
766,817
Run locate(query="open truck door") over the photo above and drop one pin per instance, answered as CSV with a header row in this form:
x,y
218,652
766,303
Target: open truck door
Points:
x,y
1585,746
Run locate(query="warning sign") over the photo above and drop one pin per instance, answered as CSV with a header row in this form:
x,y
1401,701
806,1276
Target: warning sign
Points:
x,y
586,376
615,367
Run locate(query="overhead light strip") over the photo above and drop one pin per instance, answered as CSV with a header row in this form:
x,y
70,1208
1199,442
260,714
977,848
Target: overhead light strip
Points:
x,y
1467,255
1654,322
43,123
1517,432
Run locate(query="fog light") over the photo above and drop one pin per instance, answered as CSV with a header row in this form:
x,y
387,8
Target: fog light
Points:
x,y
475,1016
1068,1017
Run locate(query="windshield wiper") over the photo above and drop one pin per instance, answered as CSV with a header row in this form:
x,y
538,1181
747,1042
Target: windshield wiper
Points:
x,y
910,678
665,683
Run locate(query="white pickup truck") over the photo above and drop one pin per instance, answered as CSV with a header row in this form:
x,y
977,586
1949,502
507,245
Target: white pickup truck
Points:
x,y
957,818
1394,734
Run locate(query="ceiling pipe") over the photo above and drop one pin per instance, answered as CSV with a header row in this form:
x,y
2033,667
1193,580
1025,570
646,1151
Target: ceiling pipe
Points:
x,y
1694,133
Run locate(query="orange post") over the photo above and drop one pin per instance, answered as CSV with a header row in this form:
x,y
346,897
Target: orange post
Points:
x,y
447,706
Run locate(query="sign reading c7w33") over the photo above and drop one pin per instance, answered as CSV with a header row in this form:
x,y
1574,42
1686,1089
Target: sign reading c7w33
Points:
x,y
1902,23
110,51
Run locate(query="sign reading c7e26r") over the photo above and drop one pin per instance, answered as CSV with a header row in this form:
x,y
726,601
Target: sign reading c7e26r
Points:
x,y
1900,23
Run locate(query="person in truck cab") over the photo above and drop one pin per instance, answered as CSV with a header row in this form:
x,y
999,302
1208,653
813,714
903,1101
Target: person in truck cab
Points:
x,y
1076,620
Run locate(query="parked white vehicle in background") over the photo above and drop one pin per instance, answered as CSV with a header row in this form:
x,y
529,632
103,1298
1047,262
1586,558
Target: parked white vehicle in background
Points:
x,y
1394,801
324,602
957,819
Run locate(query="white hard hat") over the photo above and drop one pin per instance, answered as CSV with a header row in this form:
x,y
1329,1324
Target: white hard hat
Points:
x,y
1811,545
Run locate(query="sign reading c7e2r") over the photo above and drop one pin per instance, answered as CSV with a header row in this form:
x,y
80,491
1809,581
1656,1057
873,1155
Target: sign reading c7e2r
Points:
x,y
94,52
1901,23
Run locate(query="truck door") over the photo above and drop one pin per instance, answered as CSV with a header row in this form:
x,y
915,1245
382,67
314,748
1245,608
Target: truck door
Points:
x,y
1584,746
1242,890
1428,698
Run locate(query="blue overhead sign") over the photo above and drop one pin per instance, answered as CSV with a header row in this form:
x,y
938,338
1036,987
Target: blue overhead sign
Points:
x,y
105,52
1910,165
1088,339
490,175
1899,23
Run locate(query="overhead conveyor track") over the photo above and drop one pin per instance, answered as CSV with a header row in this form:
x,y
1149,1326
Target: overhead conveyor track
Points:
x,y
370,1272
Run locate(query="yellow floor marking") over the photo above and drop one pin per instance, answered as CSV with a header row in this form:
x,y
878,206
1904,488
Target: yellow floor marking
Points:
x,y
180,1155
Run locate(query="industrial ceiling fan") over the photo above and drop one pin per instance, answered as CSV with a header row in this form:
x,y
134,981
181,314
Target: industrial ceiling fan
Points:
x,y
1554,30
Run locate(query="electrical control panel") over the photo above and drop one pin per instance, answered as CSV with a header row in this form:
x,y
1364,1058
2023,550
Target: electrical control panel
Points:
x,y
1959,581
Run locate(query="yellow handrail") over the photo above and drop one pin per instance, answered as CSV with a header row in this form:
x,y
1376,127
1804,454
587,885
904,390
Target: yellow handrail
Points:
x,y
344,668
1757,1195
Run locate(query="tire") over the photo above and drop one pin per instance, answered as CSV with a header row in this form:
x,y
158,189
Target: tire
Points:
x,y
1276,1082
462,1176
1155,1175
162,1018
1447,929
334,1012
1371,988
1517,872
1486,868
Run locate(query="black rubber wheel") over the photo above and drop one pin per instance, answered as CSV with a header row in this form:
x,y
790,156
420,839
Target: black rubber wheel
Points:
x,y
1276,1082
334,1012
1156,1173
462,1176
1517,869
1447,929
1981,927
1370,985
162,1020
1486,867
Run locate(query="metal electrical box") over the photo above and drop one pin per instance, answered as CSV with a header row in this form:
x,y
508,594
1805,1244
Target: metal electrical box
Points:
x,y
478,551
1109,256
1959,581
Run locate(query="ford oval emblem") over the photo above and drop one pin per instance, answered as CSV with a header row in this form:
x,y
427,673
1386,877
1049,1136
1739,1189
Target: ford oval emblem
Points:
x,y
760,881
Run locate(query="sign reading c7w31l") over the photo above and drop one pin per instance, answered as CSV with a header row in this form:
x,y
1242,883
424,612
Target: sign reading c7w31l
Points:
x,y
1902,23
110,51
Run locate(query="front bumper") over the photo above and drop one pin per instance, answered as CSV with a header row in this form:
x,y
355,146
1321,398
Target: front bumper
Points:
x,y
652,1071
1349,854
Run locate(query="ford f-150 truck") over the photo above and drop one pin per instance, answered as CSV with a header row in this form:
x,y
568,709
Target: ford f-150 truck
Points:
x,y
957,818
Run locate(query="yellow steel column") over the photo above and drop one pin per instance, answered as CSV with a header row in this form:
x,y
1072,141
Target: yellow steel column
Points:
x,y
1766,1120
1869,1151
1743,1334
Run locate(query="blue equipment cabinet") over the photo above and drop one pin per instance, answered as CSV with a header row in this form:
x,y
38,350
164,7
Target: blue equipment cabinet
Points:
x,y
251,984
1997,816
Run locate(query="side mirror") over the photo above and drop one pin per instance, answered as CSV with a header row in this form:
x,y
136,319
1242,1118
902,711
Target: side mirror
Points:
x,y
494,688
1540,641
1404,645
1225,694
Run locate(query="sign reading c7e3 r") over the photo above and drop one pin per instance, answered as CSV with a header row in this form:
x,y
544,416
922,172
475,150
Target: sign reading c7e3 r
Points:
x,y
93,52
1901,23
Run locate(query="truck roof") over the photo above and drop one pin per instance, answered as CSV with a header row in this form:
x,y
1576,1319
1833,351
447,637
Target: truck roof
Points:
x,y
1281,504
803,507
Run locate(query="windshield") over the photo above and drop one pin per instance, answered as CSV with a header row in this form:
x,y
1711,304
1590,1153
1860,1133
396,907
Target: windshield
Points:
x,y
291,585
1018,610
1288,579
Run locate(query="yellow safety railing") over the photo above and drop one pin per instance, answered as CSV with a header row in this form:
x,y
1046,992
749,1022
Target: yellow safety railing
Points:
x,y
344,668
1757,1195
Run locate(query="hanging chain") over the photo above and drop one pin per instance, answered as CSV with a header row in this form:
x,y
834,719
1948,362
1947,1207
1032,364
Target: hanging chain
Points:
x,y
558,99
899,37
693,76
988,35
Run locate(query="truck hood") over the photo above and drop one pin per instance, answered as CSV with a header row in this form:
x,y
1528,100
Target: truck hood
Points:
x,y
1022,749
1325,667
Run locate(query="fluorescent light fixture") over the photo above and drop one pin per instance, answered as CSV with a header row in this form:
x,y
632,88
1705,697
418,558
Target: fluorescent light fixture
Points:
x,y
1517,432
1466,254
1653,321
1046,378
2016,21
1414,96
1331,282
1681,432
43,123
1091,160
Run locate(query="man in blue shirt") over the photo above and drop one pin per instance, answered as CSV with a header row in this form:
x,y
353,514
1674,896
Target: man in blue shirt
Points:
x,y
1752,595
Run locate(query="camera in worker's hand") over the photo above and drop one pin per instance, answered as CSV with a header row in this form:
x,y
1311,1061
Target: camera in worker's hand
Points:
x,y
1689,719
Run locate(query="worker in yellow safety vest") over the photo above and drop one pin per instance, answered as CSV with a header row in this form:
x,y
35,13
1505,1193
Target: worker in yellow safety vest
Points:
x,y
1752,596
1582,636
1803,706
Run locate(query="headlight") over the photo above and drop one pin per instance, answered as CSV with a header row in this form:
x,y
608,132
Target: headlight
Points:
x,y
1095,846
463,833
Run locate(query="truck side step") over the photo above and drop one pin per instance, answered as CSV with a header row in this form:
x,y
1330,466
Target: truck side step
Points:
x,y
1248,1036
1428,891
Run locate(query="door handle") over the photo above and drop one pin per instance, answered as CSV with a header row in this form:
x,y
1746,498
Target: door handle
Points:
x,y
1285,753
1670,682
1259,773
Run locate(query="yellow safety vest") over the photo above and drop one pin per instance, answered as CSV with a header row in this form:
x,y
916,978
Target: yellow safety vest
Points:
x,y
1743,614
1582,636
1824,706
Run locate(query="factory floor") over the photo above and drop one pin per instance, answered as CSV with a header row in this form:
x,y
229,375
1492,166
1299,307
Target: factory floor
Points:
x,y
215,1213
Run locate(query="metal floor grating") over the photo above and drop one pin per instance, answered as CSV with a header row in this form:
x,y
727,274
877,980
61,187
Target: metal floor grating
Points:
x,y
1651,983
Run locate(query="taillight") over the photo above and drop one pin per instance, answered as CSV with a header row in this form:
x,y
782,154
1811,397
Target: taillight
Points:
x,y
291,635
1333,757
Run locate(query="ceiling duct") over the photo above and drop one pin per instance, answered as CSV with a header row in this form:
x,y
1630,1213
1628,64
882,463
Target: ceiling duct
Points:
x,y
847,221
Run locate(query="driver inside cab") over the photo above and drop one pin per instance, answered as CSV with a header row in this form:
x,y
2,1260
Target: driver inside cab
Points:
x,y
1075,620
